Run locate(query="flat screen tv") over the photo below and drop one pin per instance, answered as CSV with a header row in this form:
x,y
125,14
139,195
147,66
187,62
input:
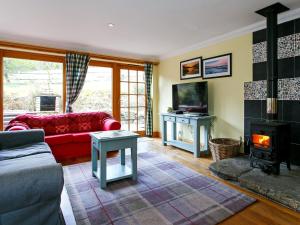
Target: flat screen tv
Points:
x,y
190,97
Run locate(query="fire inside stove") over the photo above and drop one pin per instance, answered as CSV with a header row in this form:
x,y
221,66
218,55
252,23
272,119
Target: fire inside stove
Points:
x,y
261,141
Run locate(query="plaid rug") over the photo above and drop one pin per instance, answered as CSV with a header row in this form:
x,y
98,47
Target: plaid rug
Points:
x,y
166,193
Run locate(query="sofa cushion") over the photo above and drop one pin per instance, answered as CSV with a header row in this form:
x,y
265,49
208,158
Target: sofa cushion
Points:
x,y
32,121
81,122
29,180
17,126
81,137
24,150
56,124
59,139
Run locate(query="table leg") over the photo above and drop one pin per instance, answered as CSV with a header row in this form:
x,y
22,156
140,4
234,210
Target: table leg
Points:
x,y
206,138
134,161
164,131
103,169
122,151
196,144
94,160
174,131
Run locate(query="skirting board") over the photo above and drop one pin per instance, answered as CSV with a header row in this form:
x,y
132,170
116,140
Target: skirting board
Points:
x,y
156,134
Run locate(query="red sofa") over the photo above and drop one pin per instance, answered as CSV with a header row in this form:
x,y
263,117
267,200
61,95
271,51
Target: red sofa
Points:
x,y
67,134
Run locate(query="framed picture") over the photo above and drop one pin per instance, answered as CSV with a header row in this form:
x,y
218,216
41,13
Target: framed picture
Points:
x,y
218,66
191,68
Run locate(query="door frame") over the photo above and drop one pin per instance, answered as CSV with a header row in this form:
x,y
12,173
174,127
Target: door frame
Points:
x,y
130,67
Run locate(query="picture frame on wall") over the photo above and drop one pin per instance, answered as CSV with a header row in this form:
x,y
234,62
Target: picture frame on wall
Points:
x,y
190,69
217,66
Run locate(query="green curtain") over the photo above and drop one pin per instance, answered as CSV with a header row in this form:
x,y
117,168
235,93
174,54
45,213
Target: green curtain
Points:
x,y
149,111
77,66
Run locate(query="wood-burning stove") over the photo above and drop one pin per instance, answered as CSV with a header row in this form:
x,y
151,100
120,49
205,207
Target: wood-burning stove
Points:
x,y
270,145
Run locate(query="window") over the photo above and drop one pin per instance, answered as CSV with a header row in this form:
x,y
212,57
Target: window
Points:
x,y
31,86
132,99
96,94
34,83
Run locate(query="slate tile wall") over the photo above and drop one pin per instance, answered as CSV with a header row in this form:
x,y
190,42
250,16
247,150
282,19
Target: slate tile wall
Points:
x,y
288,85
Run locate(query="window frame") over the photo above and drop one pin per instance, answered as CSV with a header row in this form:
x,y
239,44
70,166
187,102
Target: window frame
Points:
x,y
20,51
29,56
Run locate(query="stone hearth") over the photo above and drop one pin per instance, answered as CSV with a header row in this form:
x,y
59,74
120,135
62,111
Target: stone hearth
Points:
x,y
283,188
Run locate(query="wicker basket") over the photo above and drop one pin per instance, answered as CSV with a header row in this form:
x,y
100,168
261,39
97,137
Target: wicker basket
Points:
x,y
222,148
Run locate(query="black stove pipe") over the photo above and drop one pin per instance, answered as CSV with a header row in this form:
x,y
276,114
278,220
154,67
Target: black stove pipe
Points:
x,y
271,13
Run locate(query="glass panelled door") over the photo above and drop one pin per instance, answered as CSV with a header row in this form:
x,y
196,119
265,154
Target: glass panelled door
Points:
x,y
133,99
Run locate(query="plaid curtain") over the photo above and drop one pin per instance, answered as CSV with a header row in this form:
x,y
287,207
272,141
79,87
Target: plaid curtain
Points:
x,y
149,116
77,66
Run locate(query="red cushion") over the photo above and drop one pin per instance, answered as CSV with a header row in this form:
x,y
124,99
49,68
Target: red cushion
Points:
x,y
80,122
56,124
59,139
111,124
16,125
17,128
81,137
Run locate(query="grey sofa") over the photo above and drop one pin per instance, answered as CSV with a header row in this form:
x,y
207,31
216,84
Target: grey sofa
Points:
x,y
31,181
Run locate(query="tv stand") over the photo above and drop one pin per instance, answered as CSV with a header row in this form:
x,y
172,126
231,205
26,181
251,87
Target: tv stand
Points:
x,y
196,122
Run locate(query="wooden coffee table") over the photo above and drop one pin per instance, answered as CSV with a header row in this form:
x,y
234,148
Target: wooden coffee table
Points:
x,y
106,141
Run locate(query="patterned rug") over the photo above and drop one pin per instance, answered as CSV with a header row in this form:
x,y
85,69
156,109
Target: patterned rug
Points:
x,y
166,193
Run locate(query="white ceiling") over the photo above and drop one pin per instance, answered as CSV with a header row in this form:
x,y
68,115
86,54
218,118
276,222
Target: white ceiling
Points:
x,y
145,29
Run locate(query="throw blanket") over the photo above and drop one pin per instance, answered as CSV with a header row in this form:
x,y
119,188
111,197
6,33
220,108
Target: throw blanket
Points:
x,y
25,150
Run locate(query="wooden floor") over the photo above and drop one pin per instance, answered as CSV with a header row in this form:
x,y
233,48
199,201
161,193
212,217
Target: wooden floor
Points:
x,y
263,212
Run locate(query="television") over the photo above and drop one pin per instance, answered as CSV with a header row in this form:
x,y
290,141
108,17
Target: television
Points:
x,y
190,97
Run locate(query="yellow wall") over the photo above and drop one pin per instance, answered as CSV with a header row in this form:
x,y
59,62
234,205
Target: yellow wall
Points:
x,y
225,95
